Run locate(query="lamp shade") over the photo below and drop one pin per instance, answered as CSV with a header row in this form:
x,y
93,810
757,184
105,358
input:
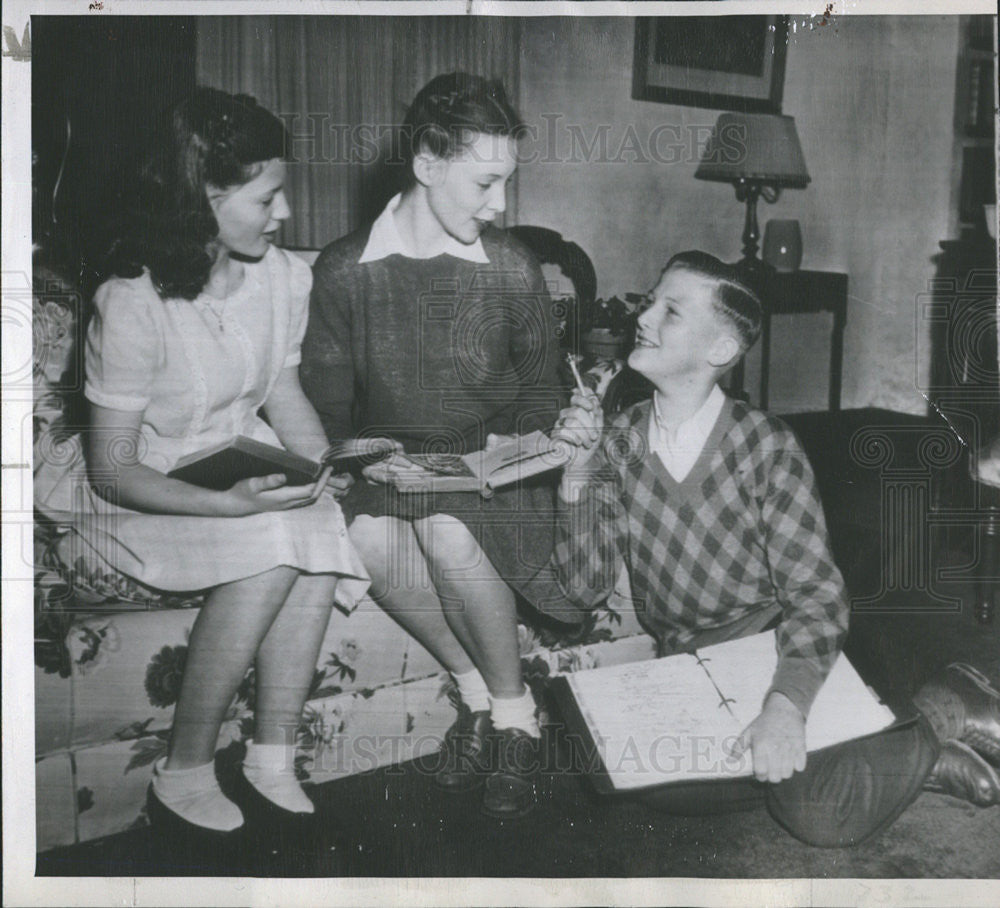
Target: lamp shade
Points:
x,y
763,148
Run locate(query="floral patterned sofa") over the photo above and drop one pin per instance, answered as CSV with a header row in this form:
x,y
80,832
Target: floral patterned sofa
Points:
x,y
109,654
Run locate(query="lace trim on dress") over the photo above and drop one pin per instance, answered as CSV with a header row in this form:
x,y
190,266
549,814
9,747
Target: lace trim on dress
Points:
x,y
226,318
199,387
243,413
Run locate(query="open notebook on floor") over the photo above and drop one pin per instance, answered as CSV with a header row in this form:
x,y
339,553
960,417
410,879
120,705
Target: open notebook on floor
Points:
x,y
673,719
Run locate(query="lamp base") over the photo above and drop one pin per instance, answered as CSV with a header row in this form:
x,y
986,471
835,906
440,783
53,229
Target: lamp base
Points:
x,y
753,272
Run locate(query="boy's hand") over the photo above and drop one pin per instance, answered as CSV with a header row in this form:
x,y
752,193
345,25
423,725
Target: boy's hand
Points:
x,y
776,740
580,425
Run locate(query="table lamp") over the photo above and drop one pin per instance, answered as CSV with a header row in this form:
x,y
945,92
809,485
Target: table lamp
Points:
x,y
760,155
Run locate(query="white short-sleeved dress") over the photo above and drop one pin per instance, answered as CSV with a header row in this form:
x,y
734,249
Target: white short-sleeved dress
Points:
x,y
199,371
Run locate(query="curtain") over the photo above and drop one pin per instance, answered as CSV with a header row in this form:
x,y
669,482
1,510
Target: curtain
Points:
x,y
342,84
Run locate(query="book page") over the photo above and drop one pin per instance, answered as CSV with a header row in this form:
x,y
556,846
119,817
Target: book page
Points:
x,y
844,708
440,464
657,721
526,456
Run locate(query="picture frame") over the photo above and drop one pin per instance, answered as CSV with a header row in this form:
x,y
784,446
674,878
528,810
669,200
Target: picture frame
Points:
x,y
723,62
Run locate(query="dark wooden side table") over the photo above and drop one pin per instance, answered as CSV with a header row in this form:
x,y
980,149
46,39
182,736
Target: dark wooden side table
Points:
x,y
804,291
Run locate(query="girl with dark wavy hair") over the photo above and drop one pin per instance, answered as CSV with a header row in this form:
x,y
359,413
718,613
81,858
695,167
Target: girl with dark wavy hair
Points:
x,y
433,326
171,229
201,329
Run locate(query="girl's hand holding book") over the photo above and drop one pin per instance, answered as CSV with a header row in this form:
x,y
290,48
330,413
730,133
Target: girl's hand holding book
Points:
x,y
338,485
397,462
494,441
266,493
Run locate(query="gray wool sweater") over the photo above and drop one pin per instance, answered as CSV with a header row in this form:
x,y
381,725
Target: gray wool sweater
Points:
x,y
433,352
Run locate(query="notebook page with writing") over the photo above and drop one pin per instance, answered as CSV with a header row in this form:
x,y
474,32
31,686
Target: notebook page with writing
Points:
x,y
844,708
657,721
674,719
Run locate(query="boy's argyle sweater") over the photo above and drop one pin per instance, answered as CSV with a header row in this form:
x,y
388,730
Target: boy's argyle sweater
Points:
x,y
743,531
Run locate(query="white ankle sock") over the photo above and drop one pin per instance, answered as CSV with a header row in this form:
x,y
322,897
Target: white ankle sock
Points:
x,y
473,690
194,795
515,712
270,768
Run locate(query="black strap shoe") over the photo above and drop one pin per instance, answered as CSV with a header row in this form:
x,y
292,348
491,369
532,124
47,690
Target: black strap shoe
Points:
x,y
962,773
258,809
510,790
466,757
962,704
188,847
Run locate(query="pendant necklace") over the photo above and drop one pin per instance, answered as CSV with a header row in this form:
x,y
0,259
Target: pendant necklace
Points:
x,y
222,307
217,314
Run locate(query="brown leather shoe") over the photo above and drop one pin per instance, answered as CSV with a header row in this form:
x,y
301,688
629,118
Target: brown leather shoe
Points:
x,y
467,759
962,704
510,790
962,773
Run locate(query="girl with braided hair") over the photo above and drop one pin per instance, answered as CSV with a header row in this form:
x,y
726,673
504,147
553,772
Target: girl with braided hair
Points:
x,y
433,326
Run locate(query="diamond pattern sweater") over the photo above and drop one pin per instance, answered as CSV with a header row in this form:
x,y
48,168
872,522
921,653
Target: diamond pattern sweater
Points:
x,y
743,532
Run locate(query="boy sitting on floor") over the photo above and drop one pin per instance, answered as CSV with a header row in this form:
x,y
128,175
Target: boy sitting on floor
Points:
x,y
713,508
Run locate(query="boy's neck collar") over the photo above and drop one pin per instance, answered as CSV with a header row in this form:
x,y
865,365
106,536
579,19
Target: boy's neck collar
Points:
x,y
673,408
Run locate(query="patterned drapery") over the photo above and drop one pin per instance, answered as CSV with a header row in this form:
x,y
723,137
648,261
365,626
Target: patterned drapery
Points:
x,y
342,83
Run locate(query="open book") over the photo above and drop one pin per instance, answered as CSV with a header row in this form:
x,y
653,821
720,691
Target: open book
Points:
x,y
674,719
219,466
481,471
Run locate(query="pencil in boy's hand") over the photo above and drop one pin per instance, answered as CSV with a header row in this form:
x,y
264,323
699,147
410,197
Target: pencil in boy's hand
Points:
x,y
571,359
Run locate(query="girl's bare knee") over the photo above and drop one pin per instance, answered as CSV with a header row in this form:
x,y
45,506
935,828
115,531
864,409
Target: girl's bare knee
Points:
x,y
449,542
389,552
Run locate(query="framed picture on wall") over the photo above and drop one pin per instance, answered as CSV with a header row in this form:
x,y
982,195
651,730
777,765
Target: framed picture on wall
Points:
x,y
725,62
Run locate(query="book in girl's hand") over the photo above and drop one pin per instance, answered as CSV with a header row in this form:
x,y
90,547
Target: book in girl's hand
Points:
x,y
481,471
220,466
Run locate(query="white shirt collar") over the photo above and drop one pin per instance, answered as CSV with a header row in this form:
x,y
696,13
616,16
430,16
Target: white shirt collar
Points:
x,y
680,455
385,240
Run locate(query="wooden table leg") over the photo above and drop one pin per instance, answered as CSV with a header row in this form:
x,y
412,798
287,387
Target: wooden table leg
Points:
x,y
837,354
765,358
986,583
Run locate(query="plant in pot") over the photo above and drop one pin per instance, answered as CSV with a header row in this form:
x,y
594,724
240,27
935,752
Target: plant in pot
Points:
x,y
608,326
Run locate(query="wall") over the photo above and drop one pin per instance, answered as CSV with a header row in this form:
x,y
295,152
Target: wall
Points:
x,y
873,101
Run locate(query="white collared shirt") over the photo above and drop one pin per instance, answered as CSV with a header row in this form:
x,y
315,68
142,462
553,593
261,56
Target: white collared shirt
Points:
x,y
385,240
679,455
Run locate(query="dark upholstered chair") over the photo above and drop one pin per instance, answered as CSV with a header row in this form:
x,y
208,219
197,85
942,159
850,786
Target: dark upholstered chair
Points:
x,y
549,247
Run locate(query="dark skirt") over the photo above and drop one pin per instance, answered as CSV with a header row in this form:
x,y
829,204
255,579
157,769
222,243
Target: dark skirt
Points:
x,y
514,528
